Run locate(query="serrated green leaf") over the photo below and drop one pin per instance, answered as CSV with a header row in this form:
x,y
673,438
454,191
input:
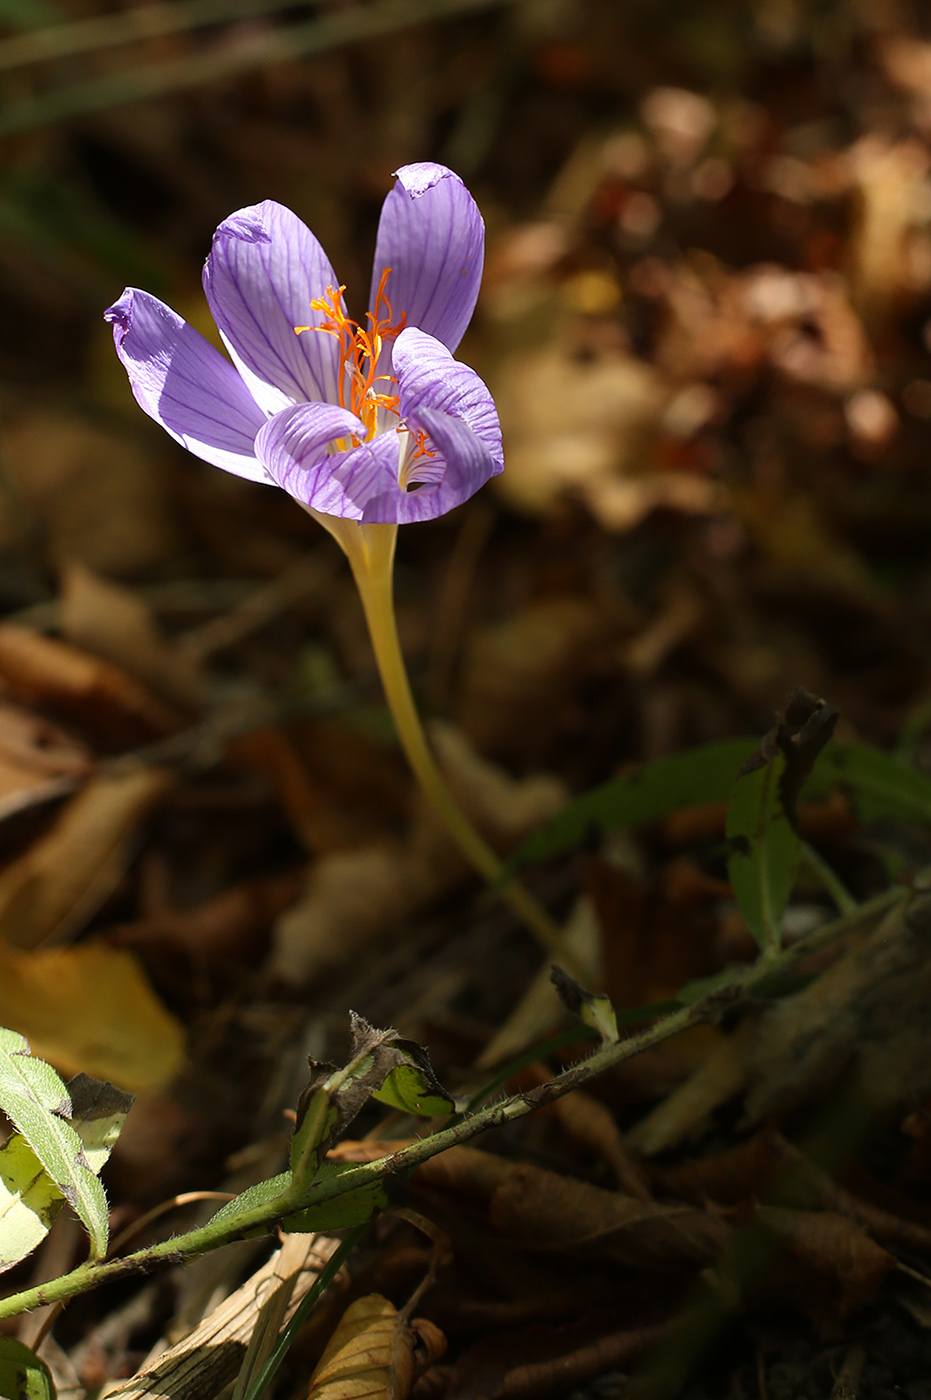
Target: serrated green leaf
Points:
x,y
341,1212
34,1098
765,851
22,1375
880,784
407,1087
29,1201
690,779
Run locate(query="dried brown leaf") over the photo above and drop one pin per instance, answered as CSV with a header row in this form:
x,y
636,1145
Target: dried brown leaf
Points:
x,y
38,761
352,897
591,1124
231,925
835,1248
90,1007
573,423
113,705
110,621
375,1353
65,876
546,1211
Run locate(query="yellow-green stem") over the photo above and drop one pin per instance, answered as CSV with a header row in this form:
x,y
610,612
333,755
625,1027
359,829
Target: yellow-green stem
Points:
x,y
370,550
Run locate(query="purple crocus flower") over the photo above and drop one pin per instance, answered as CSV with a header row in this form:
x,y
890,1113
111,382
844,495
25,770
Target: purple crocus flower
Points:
x,y
375,422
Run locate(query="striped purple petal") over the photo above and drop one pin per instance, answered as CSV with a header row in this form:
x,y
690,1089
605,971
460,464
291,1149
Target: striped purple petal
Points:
x,y
449,402
186,385
264,269
295,448
429,378
432,237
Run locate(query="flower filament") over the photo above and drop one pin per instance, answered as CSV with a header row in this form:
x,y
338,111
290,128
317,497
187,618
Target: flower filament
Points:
x,y
360,349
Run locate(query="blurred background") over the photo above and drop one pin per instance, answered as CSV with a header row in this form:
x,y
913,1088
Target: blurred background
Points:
x,y
706,318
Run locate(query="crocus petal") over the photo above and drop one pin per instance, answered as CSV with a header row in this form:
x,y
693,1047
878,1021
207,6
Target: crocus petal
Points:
x,y
264,269
456,411
185,384
294,447
468,465
428,377
432,237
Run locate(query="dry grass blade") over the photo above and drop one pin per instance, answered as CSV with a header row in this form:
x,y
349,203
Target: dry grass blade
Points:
x,y
210,1357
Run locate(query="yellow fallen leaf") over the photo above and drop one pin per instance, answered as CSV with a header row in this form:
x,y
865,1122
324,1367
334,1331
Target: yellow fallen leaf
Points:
x,y
90,1007
374,1354
64,877
115,623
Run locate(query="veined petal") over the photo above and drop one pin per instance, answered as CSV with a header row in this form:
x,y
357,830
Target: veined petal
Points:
x,y
185,384
294,447
468,465
432,237
455,409
429,377
264,269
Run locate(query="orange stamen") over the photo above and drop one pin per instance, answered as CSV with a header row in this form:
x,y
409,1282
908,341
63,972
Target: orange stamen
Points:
x,y
359,352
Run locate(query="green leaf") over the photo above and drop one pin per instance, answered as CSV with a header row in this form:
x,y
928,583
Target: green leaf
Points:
x,y
29,1198
316,1120
22,1375
341,1212
261,1194
765,850
98,1112
29,1201
880,784
409,1088
34,1098
690,779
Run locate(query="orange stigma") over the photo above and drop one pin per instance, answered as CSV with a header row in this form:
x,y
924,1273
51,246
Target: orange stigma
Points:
x,y
359,352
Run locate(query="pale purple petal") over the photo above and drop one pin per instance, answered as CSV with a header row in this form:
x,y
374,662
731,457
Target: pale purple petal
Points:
x,y
468,465
455,409
432,237
294,447
185,384
429,377
264,269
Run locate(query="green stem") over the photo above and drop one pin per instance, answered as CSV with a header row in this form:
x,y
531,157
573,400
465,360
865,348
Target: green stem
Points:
x,y
370,550
234,1226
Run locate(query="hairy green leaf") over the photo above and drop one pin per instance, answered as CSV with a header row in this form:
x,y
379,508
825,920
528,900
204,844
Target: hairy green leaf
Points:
x,y
342,1212
261,1194
29,1201
34,1098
